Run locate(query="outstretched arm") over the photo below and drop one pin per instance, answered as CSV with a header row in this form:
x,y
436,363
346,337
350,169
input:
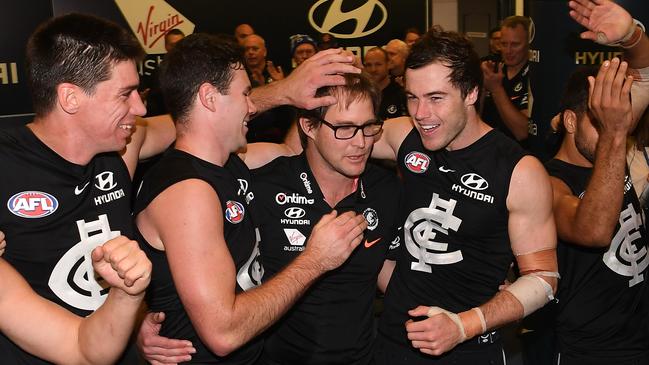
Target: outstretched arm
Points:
x,y
325,68
591,220
69,339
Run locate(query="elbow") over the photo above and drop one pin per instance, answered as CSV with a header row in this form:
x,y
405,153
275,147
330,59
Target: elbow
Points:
x,y
220,343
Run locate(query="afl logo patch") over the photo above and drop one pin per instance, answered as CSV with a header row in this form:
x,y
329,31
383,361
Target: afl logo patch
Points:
x,y
372,218
234,211
32,204
417,162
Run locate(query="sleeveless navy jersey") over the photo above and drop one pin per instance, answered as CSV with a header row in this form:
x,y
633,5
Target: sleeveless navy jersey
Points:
x,y
232,184
54,213
456,250
332,322
601,314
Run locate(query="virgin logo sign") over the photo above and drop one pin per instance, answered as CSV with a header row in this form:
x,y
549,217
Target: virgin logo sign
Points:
x,y
150,20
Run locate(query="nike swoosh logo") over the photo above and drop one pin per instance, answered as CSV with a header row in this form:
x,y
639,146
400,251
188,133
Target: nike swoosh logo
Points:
x,y
371,243
444,169
78,191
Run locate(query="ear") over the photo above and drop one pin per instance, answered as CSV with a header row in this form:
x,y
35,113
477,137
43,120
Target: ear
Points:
x,y
307,127
570,121
69,97
208,96
471,97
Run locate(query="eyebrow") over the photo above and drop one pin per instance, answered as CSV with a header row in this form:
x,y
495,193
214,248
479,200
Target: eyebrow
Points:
x,y
128,88
429,94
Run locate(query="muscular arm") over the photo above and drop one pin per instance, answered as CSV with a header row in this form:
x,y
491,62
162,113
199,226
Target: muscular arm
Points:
x,y
191,231
69,339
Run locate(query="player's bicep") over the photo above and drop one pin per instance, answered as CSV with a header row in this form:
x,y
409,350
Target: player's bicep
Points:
x,y
531,223
188,218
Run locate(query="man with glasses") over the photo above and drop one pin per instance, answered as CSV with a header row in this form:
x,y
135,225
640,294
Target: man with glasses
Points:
x,y
333,321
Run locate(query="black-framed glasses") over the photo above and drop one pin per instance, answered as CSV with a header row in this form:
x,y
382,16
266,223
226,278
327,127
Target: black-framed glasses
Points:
x,y
370,129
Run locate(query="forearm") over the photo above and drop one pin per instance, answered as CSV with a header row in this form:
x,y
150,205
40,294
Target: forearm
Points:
x,y
514,119
255,310
502,309
269,96
599,209
638,55
104,334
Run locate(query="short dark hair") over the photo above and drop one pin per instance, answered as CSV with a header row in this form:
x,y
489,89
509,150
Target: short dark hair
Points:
x,y
76,48
492,31
197,59
411,30
454,51
357,87
575,93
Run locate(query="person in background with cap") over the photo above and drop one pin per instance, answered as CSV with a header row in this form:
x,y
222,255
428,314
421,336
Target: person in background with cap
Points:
x,y
302,47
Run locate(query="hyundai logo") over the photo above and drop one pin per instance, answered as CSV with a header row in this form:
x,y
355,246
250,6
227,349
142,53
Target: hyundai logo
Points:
x,y
474,181
294,213
105,181
336,16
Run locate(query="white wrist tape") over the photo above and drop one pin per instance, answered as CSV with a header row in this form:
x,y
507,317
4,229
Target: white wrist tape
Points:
x,y
433,311
532,291
470,323
601,38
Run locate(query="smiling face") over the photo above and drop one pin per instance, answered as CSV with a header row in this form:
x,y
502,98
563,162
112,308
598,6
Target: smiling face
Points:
x,y
345,157
107,116
437,107
238,108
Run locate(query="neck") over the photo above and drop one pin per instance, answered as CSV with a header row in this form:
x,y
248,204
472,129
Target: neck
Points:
x,y
62,138
569,153
474,129
202,144
334,185
513,70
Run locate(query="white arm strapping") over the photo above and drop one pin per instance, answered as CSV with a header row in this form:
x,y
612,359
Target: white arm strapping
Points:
x,y
532,291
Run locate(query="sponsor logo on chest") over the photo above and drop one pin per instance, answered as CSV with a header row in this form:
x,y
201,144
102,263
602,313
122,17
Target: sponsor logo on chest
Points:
x,y
294,198
295,239
105,181
294,216
473,186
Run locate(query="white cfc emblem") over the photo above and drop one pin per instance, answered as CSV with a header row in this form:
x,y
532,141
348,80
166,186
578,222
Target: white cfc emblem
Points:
x,y
421,229
623,256
250,274
73,278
